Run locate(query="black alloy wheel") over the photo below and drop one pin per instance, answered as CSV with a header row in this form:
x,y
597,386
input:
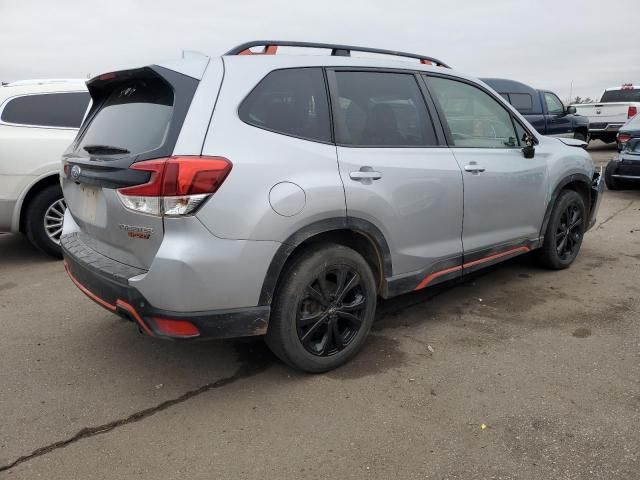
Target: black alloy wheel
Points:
x,y
330,314
569,231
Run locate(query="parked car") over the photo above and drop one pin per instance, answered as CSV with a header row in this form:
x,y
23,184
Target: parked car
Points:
x,y
38,120
283,197
616,106
629,130
543,109
624,169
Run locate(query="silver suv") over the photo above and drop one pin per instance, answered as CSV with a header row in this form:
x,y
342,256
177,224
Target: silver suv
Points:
x,y
280,195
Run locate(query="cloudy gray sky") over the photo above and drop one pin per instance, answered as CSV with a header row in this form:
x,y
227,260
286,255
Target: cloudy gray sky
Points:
x,y
545,43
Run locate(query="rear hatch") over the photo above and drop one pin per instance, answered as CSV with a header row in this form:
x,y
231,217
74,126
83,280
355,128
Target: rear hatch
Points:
x,y
136,115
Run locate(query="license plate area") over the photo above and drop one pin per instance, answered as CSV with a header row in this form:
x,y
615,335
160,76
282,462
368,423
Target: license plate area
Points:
x,y
85,206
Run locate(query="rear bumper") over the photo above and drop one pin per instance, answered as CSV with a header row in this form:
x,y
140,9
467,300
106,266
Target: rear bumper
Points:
x,y
105,281
597,190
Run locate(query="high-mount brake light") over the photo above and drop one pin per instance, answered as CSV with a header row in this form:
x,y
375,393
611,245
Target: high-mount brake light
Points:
x,y
177,186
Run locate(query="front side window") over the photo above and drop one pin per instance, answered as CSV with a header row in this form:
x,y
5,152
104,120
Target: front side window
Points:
x,y
475,119
292,102
554,105
64,109
381,109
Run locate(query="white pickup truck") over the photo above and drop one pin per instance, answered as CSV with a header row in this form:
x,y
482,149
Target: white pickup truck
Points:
x,y
616,106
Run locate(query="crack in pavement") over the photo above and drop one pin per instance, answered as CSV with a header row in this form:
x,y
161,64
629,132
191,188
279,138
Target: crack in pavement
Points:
x,y
251,367
610,217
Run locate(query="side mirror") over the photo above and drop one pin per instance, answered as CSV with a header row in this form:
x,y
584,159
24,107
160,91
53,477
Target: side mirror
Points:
x,y
528,151
571,110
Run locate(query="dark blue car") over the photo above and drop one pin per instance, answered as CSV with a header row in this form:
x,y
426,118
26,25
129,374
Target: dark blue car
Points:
x,y
543,109
628,131
624,169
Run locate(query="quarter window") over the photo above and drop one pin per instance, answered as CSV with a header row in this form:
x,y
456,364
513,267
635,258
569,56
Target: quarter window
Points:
x,y
554,105
521,102
475,119
292,102
381,109
47,110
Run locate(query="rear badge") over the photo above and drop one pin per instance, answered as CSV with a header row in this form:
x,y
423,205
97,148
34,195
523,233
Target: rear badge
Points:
x,y
137,232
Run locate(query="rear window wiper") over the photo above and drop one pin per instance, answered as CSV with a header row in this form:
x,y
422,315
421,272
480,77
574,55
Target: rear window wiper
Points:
x,y
104,149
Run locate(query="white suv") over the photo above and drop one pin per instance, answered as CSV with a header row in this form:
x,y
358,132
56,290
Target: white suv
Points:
x,y
38,119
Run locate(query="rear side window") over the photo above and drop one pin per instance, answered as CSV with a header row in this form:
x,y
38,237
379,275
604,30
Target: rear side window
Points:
x,y
521,102
623,95
381,109
292,102
62,110
135,117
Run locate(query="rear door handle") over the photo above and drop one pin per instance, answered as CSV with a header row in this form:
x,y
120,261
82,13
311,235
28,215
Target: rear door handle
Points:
x,y
365,173
473,167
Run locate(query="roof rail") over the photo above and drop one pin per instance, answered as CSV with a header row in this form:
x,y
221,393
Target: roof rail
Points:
x,y
271,46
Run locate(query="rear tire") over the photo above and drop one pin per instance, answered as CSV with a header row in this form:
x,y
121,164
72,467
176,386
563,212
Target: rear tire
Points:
x,y
43,222
323,309
612,183
565,231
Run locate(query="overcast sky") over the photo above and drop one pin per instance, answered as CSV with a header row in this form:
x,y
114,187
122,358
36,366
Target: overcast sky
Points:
x,y
546,44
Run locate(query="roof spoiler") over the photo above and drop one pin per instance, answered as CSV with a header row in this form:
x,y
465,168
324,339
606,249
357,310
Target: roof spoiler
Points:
x,y
271,46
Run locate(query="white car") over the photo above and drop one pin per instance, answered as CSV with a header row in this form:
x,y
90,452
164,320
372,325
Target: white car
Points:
x,y
38,120
616,106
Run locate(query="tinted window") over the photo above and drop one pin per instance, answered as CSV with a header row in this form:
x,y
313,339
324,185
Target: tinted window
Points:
x,y
521,102
554,105
293,102
381,109
135,116
624,95
47,110
475,118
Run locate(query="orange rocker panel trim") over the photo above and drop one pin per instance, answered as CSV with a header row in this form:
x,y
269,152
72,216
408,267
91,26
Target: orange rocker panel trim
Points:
x,y
432,276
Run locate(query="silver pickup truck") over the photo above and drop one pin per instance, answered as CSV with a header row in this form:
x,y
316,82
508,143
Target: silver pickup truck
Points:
x,y
616,106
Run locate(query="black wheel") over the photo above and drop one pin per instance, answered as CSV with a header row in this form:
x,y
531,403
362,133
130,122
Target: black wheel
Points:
x,y
43,223
581,136
565,230
323,309
612,183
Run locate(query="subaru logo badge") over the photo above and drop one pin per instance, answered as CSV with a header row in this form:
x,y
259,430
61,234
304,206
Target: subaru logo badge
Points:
x,y
75,172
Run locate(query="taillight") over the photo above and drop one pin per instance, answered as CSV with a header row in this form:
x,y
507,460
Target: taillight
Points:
x,y
623,137
632,112
178,185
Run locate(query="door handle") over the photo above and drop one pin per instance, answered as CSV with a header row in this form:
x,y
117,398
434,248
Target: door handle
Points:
x,y
473,167
365,173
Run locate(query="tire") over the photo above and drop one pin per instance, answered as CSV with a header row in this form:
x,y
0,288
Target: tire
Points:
x,y
565,232
48,201
612,183
581,136
329,337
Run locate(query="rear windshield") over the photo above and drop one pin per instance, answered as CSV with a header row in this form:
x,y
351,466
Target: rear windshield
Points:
x,y
135,116
624,95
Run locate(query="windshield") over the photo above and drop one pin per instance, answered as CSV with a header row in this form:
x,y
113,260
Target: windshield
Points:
x,y
623,95
135,117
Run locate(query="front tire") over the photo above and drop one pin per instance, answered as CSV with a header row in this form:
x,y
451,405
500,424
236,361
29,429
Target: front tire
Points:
x,y
323,309
565,231
612,183
581,136
43,222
